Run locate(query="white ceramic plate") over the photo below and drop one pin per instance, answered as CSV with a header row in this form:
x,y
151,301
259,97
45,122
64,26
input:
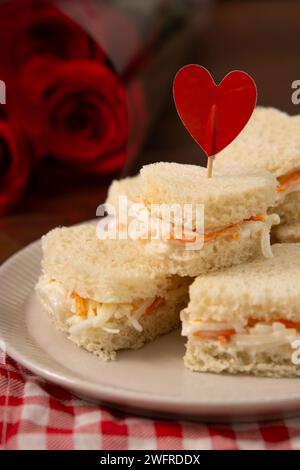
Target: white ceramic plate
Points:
x,y
151,380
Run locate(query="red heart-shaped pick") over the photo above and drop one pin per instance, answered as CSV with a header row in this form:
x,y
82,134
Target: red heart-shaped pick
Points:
x,y
213,114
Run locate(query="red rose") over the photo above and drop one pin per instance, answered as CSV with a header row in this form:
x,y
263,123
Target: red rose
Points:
x,y
15,164
36,27
75,111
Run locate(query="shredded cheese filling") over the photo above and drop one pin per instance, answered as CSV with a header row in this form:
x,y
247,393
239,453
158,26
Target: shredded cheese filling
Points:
x,y
257,334
234,232
81,314
90,314
177,235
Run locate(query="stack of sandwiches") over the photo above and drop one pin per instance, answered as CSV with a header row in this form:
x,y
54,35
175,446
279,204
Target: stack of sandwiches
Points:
x,y
271,141
211,268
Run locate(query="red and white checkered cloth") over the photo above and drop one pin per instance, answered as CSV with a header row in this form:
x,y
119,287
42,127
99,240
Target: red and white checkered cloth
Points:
x,y
37,415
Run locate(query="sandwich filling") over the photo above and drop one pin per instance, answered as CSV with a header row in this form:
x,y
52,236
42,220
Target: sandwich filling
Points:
x,y
81,314
254,333
288,183
258,224
182,237
234,232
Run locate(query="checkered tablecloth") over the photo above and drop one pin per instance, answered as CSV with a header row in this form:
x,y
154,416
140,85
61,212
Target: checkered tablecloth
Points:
x,y
37,415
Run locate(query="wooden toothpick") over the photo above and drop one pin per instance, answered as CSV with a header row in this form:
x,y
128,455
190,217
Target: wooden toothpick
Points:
x,y
209,167
211,129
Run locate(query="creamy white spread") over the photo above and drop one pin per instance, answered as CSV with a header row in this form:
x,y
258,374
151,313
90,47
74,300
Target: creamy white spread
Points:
x,y
53,297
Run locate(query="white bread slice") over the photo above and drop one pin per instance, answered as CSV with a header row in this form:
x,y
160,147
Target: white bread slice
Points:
x,y
105,344
287,233
289,209
229,197
263,289
270,141
211,356
129,187
103,270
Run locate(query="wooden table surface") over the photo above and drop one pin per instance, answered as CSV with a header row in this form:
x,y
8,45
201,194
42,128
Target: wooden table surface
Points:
x,y
259,37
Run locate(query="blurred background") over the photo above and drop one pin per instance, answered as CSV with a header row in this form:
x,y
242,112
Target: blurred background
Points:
x,y
88,93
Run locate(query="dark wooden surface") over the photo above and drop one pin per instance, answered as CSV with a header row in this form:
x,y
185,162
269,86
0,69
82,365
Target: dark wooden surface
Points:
x,y
259,37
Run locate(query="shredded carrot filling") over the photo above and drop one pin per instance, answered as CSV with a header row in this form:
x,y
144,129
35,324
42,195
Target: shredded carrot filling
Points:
x,y
80,305
232,232
157,302
286,180
256,218
221,335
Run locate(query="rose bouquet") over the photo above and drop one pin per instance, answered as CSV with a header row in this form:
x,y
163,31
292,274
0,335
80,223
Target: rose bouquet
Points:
x,y
76,91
